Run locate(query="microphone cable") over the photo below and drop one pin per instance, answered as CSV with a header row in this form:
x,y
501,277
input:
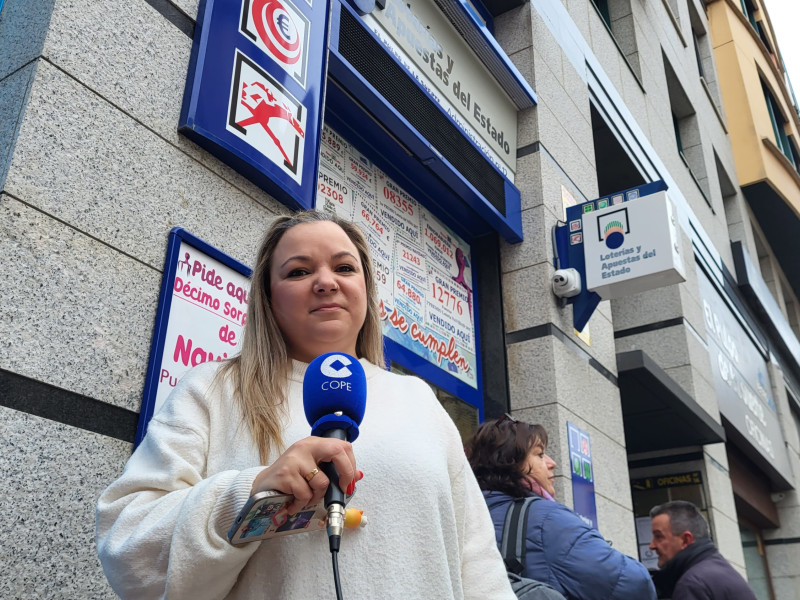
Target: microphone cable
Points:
x,y
335,528
336,581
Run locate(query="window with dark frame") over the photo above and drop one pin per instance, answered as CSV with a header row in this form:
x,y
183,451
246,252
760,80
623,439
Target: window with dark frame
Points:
x,y
762,34
618,18
677,129
615,169
782,140
688,138
696,41
602,7
749,10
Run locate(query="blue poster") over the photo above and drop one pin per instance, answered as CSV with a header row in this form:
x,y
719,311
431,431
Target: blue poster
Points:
x,y
254,91
580,455
201,314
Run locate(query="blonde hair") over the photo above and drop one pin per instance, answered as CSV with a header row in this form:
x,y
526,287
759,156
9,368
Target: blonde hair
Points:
x,y
260,373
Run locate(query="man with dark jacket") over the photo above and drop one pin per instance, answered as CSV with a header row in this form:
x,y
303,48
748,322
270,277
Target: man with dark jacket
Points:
x,y
691,567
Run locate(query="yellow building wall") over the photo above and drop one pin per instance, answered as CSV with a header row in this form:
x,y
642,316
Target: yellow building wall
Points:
x,y
741,66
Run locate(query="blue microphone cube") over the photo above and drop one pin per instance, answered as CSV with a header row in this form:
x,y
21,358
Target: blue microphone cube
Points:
x,y
335,394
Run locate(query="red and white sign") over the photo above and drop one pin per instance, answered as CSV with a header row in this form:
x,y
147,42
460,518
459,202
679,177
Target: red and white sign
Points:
x,y
206,318
279,30
266,116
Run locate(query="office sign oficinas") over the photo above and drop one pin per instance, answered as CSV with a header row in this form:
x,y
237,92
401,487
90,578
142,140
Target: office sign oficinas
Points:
x,y
254,90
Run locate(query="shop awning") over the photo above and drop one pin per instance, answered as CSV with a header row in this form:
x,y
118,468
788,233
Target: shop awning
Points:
x,y
657,413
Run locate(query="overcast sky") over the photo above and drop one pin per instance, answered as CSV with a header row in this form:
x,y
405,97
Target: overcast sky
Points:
x,y
785,18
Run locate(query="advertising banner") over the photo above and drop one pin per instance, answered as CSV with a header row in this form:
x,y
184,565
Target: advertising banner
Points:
x,y
741,380
201,312
427,45
422,268
629,247
570,243
580,455
254,90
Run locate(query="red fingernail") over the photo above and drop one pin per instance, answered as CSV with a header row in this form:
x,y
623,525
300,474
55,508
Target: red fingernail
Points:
x,y
360,475
351,488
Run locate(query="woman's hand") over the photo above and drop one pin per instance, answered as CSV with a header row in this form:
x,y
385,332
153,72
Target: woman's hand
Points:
x,y
291,473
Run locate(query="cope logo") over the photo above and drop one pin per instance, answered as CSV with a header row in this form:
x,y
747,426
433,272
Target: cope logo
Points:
x,y
612,228
336,366
266,116
280,30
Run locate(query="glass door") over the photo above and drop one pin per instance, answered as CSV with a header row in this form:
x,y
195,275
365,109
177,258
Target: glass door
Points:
x,y
755,560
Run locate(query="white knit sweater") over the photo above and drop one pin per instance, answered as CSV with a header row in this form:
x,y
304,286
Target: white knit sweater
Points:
x,y
161,527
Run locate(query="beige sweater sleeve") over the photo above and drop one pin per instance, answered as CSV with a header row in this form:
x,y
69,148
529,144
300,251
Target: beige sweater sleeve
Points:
x,y
483,572
161,527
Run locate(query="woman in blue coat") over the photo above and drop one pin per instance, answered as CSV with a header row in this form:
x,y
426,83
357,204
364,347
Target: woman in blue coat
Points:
x,y
510,461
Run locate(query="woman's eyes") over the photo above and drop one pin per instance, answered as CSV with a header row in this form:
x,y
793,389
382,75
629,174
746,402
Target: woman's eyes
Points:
x,y
300,272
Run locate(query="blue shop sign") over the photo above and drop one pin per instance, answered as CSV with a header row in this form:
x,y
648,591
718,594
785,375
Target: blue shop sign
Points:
x,y
581,462
742,383
255,88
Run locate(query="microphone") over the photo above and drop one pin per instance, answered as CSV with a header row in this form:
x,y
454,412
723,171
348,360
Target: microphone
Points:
x,y
334,400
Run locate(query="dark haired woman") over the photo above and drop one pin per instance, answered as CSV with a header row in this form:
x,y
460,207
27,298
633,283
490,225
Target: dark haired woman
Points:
x,y
509,460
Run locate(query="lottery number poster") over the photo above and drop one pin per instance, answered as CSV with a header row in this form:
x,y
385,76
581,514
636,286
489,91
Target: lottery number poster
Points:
x,y
423,270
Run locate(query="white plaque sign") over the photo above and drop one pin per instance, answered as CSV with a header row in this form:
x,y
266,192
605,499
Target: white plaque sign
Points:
x,y
632,247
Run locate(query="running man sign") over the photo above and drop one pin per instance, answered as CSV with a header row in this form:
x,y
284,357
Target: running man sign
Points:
x,y
254,91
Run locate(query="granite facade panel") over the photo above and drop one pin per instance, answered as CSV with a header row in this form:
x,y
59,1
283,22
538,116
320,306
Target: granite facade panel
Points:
x,y
52,477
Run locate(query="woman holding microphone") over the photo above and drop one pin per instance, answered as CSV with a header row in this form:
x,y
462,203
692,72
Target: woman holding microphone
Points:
x,y
232,429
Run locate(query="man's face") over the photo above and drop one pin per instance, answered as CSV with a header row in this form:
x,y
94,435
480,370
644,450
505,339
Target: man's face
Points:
x,y
665,543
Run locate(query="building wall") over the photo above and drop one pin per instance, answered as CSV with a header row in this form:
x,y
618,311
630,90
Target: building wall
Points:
x,y
94,176
782,545
555,391
95,179
744,62
548,367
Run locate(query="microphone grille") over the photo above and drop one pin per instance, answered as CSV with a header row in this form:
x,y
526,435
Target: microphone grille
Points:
x,y
335,386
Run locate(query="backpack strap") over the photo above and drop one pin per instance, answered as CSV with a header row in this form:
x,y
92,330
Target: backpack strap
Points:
x,y
515,527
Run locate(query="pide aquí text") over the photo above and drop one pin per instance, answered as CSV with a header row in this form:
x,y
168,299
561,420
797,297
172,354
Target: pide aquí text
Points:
x,y
210,277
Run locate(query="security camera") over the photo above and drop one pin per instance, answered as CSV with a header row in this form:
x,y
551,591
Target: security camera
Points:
x,y
566,283
777,496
